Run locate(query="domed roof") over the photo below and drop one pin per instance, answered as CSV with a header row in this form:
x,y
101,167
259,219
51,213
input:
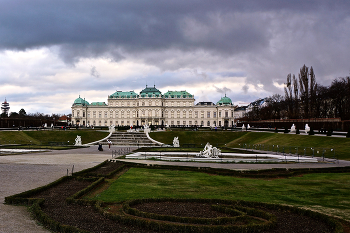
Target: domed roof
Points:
x,y
80,101
150,92
224,101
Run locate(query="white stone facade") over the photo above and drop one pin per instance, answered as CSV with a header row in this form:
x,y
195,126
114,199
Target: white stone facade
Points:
x,y
150,107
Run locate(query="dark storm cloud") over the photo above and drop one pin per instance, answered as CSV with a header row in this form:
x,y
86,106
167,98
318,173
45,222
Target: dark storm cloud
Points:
x,y
103,27
263,39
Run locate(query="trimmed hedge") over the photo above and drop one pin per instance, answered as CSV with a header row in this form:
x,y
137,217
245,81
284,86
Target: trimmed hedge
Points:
x,y
189,226
24,197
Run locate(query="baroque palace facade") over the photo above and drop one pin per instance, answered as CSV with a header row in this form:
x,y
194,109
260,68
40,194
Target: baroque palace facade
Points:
x,y
151,107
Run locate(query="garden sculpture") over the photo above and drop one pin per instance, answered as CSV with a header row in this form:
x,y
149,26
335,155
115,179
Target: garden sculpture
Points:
x,y
78,141
209,152
176,142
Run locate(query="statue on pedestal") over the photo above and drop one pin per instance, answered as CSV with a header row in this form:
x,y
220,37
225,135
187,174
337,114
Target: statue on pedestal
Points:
x,y
307,128
78,141
176,142
292,129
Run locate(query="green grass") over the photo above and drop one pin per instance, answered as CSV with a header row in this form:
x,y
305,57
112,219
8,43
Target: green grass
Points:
x,y
237,139
45,137
328,193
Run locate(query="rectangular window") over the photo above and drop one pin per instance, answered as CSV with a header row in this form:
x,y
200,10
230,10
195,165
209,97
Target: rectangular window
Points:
x,y
172,122
196,114
190,114
184,122
172,115
219,114
178,114
214,114
178,122
208,114
202,114
190,122
83,113
100,115
94,114
226,113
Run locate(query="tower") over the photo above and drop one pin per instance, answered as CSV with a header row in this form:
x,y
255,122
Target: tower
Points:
x,y
5,107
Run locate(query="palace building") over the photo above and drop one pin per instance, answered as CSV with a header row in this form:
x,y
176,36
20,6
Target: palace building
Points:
x,y
151,107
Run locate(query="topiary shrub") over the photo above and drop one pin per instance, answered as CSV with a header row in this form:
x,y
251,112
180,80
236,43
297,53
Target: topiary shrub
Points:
x,y
297,131
348,134
311,132
329,133
286,130
276,130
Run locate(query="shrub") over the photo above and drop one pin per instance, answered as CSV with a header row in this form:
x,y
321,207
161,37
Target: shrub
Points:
x,y
311,132
348,134
329,133
297,131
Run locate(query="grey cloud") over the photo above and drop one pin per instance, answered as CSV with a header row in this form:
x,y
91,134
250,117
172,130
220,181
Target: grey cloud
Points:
x,y
223,90
245,89
94,72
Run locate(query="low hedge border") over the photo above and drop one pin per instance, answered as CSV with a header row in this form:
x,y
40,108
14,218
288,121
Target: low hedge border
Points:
x,y
23,198
86,171
274,172
74,197
242,205
49,222
239,215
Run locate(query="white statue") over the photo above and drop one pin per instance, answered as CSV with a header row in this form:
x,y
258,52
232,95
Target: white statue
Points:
x,y
209,152
292,129
248,127
112,129
307,128
243,127
176,142
78,141
146,129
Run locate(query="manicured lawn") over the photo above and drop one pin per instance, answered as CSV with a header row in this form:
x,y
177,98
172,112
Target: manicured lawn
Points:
x,y
294,143
45,137
328,193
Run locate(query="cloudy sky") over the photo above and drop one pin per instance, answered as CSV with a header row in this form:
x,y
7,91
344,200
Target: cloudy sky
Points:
x,y
53,51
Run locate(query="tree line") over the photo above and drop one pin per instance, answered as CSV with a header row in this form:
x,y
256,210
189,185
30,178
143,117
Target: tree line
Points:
x,y
304,98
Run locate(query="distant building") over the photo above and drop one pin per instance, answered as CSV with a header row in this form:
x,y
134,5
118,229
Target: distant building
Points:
x,y
5,107
151,107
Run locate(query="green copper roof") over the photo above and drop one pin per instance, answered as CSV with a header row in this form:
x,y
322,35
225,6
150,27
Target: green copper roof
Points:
x,y
150,92
177,94
224,101
80,101
123,94
98,104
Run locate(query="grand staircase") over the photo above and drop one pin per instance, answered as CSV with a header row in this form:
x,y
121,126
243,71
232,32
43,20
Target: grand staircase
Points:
x,y
130,139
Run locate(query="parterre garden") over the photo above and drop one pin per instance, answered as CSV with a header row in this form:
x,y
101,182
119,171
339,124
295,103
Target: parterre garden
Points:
x,y
117,197
125,197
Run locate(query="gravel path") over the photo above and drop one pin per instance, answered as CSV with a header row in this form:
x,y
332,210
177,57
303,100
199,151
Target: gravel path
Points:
x,y
19,173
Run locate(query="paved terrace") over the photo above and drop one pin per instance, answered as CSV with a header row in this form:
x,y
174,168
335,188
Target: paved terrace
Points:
x,y
19,173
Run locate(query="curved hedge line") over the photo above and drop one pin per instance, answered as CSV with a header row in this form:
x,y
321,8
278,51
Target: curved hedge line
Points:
x,y
152,221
